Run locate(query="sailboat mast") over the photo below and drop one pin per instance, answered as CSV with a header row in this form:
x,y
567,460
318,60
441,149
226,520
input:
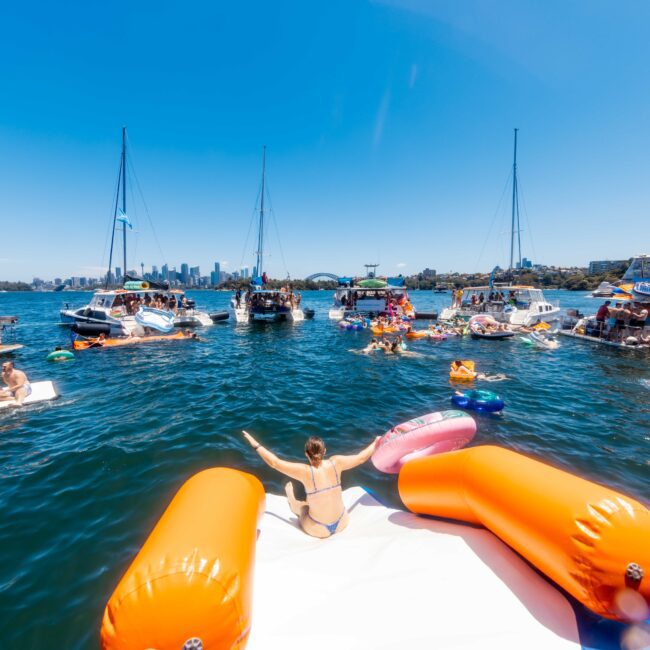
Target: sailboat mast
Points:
x,y
124,195
117,200
515,211
260,237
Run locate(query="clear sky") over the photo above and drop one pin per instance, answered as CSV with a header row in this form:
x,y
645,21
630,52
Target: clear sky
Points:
x,y
388,126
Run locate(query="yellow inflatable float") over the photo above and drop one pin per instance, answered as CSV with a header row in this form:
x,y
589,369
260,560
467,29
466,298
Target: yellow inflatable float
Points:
x,y
463,372
192,580
592,541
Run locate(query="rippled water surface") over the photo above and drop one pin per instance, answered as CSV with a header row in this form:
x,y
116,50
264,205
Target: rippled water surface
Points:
x,y
83,479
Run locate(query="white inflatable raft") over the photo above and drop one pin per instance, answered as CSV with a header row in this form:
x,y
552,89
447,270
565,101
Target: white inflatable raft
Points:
x,y
42,391
396,580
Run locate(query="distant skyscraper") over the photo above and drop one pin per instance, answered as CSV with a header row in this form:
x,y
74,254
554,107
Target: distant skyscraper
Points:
x,y
217,269
165,272
185,273
195,272
214,278
118,273
254,271
244,272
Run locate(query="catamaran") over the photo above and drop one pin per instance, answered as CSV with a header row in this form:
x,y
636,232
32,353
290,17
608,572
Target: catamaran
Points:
x,y
259,303
115,311
508,302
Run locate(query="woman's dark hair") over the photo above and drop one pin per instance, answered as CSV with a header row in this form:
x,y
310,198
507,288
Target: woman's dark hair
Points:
x,y
315,450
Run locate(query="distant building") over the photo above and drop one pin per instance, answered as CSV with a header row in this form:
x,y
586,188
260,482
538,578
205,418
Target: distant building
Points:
x,y
428,273
214,278
118,273
195,272
244,272
526,263
165,272
185,273
255,271
217,270
604,266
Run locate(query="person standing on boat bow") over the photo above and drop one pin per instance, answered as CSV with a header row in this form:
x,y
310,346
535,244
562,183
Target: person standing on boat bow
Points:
x,y
323,513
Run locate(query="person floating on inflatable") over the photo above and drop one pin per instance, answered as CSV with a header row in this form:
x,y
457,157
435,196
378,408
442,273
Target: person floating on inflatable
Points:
x,y
323,513
464,371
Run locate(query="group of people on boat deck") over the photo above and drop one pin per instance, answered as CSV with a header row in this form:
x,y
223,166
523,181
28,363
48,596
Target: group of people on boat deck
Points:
x,y
478,302
285,297
622,323
131,302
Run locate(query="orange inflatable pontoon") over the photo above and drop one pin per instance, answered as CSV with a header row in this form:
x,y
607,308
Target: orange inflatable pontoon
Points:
x,y
592,541
130,340
193,578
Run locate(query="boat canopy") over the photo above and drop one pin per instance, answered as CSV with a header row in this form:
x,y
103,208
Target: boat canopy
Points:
x,y
373,283
257,282
345,282
396,282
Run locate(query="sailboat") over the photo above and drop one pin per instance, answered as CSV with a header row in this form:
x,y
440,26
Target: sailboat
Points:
x,y
259,303
508,302
129,310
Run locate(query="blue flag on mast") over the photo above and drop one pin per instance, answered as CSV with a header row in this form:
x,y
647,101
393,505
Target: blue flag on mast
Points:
x,y
122,218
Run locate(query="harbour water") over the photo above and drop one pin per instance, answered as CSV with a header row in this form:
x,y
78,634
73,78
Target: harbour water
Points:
x,y
83,479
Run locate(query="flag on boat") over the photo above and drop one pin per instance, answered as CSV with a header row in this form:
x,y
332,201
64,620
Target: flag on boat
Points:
x,y
123,218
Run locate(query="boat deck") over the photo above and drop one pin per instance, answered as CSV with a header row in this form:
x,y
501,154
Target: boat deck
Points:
x,y
396,580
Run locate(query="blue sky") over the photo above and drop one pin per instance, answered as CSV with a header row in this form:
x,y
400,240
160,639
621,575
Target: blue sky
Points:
x,y
388,126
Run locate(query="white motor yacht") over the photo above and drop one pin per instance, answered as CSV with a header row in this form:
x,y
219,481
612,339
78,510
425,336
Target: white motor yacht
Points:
x,y
117,308
368,296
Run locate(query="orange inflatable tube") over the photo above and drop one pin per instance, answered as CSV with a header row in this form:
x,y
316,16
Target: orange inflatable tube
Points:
x,y
592,541
131,340
193,577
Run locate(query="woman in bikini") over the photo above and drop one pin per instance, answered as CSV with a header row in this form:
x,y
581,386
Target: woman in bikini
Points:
x,y
323,513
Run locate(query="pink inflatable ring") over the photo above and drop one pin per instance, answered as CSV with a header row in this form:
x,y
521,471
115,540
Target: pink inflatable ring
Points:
x,y
429,434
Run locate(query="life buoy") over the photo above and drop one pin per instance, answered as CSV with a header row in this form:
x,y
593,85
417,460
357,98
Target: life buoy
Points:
x,y
59,355
484,401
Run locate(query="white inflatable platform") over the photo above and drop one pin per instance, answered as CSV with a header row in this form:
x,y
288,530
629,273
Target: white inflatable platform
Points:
x,y
42,391
395,580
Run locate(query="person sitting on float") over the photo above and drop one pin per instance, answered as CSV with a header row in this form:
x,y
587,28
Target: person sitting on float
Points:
x,y
458,367
323,513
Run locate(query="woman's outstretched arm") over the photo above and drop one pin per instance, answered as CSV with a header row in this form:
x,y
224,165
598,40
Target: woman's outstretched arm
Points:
x,y
292,470
354,460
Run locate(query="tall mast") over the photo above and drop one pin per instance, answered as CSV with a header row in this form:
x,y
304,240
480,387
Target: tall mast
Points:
x,y
117,200
124,195
260,236
515,212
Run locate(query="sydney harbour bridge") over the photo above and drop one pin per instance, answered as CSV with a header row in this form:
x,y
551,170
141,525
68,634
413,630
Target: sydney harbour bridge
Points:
x,y
328,276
